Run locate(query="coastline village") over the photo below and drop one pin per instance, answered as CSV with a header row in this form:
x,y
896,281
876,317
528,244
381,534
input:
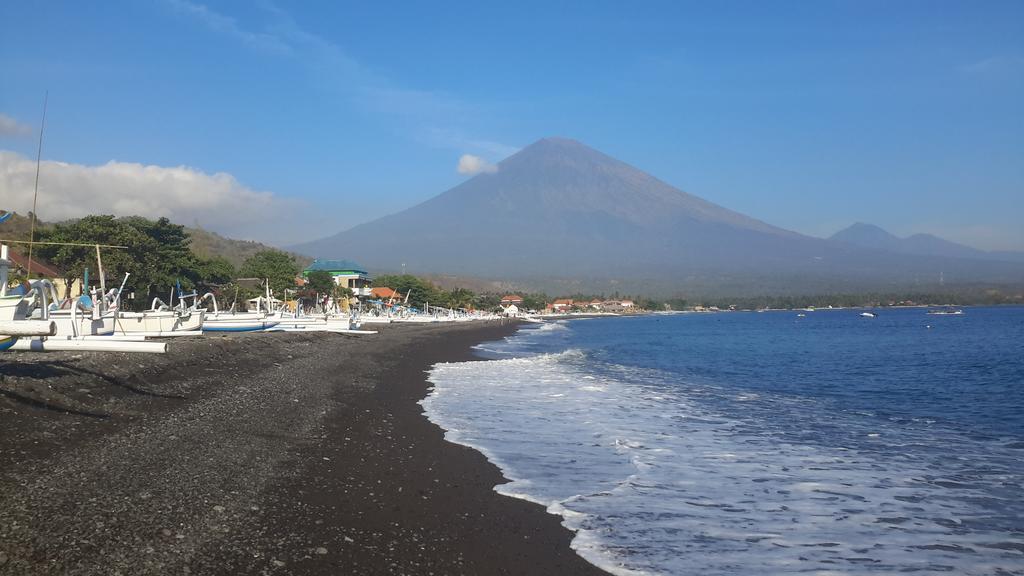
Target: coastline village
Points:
x,y
106,283
129,284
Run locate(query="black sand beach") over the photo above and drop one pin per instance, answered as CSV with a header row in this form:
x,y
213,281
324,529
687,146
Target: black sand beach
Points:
x,y
255,454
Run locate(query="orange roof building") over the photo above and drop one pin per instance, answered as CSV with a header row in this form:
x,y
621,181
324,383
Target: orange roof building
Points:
x,y
384,293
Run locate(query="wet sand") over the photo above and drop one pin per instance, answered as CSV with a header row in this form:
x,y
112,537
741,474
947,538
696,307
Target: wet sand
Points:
x,y
256,454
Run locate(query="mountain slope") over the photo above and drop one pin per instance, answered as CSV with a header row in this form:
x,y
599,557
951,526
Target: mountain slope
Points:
x,y
871,236
207,244
559,209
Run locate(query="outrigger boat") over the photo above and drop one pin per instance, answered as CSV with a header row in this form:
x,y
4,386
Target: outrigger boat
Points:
x,y
13,323
27,311
162,319
232,321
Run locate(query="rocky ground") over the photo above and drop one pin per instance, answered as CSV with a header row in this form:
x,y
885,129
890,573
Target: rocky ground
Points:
x,y
255,454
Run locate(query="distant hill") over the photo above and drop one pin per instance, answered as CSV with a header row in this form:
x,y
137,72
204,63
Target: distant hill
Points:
x,y
871,236
204,243
562,216
207,244
17,227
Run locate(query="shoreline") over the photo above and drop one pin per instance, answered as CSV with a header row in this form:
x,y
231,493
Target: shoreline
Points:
x,y
257,454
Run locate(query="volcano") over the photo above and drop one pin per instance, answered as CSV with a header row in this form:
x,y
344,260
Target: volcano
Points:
x,y
559,211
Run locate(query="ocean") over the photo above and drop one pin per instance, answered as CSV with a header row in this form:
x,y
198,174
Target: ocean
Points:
x,y
760,443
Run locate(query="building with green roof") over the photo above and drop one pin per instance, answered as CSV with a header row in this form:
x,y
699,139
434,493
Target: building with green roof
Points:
x,y
346,273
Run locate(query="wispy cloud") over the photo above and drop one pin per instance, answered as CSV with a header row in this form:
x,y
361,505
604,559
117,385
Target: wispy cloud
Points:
x,y
431,116
995,65
469,164
11,127
450,138
228,26
183,194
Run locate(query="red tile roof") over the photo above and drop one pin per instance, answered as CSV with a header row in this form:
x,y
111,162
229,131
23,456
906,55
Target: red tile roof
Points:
x,y
39,269
384,292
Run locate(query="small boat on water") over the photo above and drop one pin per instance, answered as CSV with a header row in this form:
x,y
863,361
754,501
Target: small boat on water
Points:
x,y
868,314
946,312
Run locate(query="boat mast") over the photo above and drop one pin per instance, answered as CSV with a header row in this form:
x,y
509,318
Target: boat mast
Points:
x,y
35,194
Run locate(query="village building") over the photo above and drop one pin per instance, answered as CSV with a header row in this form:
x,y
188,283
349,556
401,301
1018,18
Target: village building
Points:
x,y
562,305
511,299
384,293
615,306
346,274
41,269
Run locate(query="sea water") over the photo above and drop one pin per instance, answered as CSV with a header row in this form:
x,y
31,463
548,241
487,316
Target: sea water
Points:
x,y
760,443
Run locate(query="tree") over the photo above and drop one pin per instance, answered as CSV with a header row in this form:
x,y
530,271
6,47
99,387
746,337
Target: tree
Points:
x,y
535,301
460,298
321,281
156,253
164,257
488,302
420,291
280,268
212,272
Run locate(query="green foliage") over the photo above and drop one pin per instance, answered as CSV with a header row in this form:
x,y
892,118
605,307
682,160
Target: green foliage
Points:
x,y
321,281
535,301
459,298
488,302
208,244
232,293
418,290
421,293
280,268
213,272
157,253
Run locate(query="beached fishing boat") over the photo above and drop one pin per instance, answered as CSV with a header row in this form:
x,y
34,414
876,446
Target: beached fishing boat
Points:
x,y
27,322
232,321
159,322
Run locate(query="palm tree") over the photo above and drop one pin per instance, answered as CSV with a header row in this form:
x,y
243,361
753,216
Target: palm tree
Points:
x,y
460,298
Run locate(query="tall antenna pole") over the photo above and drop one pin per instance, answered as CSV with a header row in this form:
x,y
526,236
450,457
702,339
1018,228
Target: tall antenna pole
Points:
x,y
35,194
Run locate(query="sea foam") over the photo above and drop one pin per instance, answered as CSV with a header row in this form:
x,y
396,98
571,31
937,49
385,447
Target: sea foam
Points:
x,y
659,476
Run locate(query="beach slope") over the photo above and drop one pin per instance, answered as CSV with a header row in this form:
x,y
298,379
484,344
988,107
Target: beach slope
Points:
x,y
256,454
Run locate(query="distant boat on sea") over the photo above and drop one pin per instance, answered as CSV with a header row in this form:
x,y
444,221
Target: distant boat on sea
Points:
x,y
868,314
946,312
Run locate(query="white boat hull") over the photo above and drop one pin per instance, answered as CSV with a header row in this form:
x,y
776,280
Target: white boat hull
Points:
x,y
243,322
158,321
86,326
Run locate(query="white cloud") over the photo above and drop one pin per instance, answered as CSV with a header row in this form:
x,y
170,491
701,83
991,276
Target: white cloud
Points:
x,y
11,127
183,194
469,164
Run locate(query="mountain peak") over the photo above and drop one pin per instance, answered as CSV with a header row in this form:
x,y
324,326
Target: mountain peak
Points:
x,y
871,236
868,236
557,148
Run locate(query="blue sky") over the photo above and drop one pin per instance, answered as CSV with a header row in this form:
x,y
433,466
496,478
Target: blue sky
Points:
x,y
808,115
